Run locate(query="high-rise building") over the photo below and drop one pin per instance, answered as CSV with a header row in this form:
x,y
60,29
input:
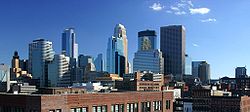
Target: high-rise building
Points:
x,y
69,45
147,40
172,45
148,57
58,71
204,72
188,65
16,71
240,72
99,63
40,54
195,67
117,51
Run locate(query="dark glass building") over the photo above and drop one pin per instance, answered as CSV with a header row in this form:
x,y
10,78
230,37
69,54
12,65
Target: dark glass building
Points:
x,y
240,72
172,45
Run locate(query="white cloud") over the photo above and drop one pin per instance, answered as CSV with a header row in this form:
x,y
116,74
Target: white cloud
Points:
x,y
174,8
156,7
180,13
169,11
190,3
195,45
209,20
199,10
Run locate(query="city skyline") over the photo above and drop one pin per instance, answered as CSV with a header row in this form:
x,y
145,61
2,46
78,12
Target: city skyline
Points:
x,y
204,42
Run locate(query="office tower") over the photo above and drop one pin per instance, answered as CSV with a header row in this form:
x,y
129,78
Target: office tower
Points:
x,y
147,40
58,71
117,51
40,54
204,72
83,61
195,67
172,45
240,72
188,65
69,45
4,77
99,63
15,69
24,64
148,57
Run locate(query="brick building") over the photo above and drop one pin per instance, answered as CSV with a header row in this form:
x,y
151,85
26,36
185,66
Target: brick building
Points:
x,y
89,102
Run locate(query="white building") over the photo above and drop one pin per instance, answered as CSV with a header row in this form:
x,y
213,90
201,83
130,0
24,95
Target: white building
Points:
x,y
58,71
40,53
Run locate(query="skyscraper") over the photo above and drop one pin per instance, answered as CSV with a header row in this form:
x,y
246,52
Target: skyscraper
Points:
x,y
172,45
117,51
148,57
204,72
40,54
69,45
99,63
240,72
188,65
195,67
58,71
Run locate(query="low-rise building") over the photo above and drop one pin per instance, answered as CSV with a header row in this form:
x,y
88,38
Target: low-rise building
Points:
x,y
89,102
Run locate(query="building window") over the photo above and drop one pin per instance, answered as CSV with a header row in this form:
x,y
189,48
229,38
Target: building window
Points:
x,y
117,108
157,105
168,104
146,106
102,108
132,107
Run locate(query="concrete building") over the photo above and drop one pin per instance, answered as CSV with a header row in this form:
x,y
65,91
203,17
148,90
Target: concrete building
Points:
x,y
88,102
173,48
117,52
142,82
240,72
40,53
59,71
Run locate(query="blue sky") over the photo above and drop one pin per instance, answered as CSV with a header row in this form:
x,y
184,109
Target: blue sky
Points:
x,y
216,30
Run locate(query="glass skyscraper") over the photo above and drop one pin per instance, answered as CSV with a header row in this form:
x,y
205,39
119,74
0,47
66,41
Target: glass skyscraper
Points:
x,y
117,51
99,63
40,54
172,45
69,45
148,57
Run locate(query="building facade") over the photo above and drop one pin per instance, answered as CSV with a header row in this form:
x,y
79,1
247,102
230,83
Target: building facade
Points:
x,y
173,46
58,71
117,51
69,45
97,102
240,72
40,54
148,57
99,63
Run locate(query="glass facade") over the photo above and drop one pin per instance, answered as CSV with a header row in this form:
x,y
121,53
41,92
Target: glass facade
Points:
x,y
117,60
173,46
69,45
40,53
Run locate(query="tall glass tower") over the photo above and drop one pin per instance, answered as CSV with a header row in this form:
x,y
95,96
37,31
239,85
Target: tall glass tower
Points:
x,y
117,51
69,45
40,54
173,46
